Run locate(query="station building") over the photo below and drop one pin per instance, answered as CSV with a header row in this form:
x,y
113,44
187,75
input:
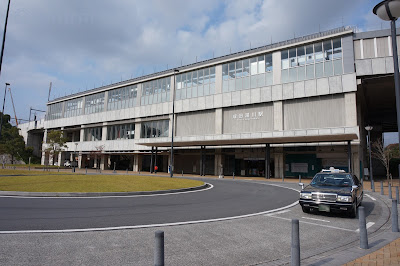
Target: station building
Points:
x,y
282,110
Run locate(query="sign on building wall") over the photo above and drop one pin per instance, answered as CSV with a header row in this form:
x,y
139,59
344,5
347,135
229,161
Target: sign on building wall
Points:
x,y
299,167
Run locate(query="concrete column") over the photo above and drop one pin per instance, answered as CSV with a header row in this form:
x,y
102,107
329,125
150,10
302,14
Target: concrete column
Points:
x,y
95,161
137,130
218,162
104,132
135,162
267,161
349,157
278,116
61,159
279,163
109,161
102,161
43,159
277,72
82,133
80,160
350,109
218,121
105,100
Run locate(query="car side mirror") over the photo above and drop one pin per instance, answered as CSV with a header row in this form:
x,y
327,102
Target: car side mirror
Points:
x,y
302,185
353,188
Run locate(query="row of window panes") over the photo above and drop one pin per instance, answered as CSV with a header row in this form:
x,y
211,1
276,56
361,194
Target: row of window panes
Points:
x,y
93,134
318,70
73,107
54,111
196,83
246,67
312,54
154,129
124,131
156,91
122,98
245,83
94,103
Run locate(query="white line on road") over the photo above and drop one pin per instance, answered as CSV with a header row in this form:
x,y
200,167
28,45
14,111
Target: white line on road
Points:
x,y
328,226
275,213
369,224
315,219
370,197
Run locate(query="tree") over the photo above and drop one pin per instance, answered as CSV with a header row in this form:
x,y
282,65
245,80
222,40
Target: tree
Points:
x,y
385,155
55,143
11,141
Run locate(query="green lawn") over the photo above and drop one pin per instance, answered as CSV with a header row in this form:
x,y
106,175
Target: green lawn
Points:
x,y
36,181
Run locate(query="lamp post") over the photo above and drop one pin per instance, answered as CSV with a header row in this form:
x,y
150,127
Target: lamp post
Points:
x,y
171,165
76,145
4,102
389,10
368,129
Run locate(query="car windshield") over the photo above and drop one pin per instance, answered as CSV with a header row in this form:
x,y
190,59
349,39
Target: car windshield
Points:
x,y
333,180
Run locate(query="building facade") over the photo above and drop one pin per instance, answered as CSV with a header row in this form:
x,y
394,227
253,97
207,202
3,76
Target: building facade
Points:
x,y
285,109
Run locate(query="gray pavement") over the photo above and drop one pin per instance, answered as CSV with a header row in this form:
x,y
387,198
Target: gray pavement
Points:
x,y
258,240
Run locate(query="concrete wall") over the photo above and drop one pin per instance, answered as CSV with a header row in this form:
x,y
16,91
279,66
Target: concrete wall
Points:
x,y
196,123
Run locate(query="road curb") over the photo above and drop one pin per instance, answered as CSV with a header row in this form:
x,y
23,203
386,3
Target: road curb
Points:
x,y
98,194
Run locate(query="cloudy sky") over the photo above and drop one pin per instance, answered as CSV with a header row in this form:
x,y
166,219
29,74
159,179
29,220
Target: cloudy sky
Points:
x,y
81,44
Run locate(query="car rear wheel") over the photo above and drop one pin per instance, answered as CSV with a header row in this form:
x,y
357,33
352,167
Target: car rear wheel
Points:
x,y
305,209
353,212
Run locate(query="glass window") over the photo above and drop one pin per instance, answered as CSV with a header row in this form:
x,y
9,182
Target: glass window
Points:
x,y
225,74
246,67
239,68
212,75
328,69
310,71
319,70
337,49
328,50
261,64
268,62
285,59
337,64
292,74
154,129
200,77
319,56
292,57
206,77
301,57
310,54
253,66
194,78
301,73
232,70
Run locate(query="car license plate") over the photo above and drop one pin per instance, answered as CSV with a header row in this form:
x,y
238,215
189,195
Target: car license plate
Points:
x,y
324,208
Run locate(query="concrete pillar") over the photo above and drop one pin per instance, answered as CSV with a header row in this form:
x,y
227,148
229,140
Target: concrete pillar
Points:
x,y
218,79
80,160
60,159
104,132
349,157
218,161
350,106
95,161
102,161
82,133
135,162
218,121
279,163
278,116
137,130
43,159
267,161
277,72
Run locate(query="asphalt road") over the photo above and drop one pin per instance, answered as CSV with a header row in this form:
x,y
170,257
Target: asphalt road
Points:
x,y
227,198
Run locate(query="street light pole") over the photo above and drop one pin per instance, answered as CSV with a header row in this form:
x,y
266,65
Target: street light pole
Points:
x,y
369,128
171,165
4,36
389,10
4,102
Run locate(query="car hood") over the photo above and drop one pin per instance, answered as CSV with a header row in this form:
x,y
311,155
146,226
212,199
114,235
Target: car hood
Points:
x,y
327,189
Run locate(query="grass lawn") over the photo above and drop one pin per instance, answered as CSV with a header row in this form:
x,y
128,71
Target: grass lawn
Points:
x,y
37,181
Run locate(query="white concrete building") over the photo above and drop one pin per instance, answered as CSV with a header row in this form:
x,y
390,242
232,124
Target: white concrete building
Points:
x,y
289,108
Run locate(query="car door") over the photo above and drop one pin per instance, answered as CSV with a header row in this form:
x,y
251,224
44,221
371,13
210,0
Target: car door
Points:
x,y
359,190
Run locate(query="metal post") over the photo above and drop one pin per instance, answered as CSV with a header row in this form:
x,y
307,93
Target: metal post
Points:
x,y
86,169
382,188
233,176
395,221
2,114
390,191
151,160
349,155
159,249
370,157
299,178
182,172
397,194
373,185
267,161
396,73
126,170
171,171
114,167
295,247
29,163
201,160
363,228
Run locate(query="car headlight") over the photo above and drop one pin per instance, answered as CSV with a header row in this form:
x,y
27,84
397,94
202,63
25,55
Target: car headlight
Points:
x,y
305,195
344,198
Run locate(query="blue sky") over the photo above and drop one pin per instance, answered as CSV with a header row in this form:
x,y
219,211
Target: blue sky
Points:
x,y
78,45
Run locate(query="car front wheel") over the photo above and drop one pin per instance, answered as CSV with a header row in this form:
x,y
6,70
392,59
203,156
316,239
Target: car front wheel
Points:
x,y
353,211
305,209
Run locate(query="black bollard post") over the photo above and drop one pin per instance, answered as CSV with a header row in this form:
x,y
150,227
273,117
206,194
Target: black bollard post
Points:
x,y
363,228
126,170
299,178
159,249
381,187
295,248
390,191
86,169
373,185
397,194
182,172
395,221
233,175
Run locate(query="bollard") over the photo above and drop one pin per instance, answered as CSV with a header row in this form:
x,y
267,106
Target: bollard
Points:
x,y
86,170
390,191
233,175
363,228
139,172
295,253
100,170
395,221
373,185
58,169
381,187
126,170
159,249
397,194
182,172
299,178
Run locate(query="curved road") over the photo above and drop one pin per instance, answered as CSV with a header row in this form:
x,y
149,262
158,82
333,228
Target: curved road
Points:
x,y
226,199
